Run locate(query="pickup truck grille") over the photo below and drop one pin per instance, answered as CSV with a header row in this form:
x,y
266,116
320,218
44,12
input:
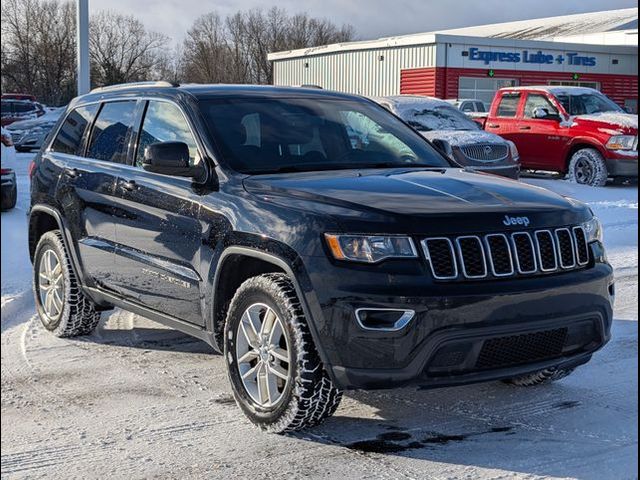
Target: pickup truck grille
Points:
x,y
498,255
485,152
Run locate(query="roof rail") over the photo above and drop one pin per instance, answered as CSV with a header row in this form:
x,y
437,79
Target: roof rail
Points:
x,y
121,86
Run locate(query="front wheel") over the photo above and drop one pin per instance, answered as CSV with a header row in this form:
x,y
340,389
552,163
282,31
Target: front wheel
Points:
x,y
588,167
541,377
275,372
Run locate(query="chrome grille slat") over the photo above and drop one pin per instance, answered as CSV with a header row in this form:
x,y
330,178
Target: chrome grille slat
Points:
x,y
485,152
500,255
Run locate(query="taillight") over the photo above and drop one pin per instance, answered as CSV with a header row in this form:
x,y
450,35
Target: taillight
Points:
x,y
32,169
5,171
6,140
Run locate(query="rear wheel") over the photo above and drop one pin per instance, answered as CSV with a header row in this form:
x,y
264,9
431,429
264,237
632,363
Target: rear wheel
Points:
x,y
276,374
587,167
9,200
62,307
541,377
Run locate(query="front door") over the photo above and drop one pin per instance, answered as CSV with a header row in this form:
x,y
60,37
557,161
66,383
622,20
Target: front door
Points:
x,y
158,231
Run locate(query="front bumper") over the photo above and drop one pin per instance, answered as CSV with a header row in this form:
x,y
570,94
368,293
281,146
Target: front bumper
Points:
x,y
471,315
623,165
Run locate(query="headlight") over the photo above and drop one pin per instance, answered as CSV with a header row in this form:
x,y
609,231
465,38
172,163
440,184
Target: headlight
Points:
x,y
514,151
593,230
621,142
370,248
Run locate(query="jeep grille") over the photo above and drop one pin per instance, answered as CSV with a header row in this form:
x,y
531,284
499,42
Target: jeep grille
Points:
x,y
499,255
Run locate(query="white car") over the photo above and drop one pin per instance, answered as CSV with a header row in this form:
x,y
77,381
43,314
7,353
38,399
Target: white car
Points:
x,y
30,134
468,105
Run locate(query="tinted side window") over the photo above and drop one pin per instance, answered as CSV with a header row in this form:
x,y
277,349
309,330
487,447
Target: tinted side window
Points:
x,y
467,107
535,100
509,105
109,135
69,137
165,122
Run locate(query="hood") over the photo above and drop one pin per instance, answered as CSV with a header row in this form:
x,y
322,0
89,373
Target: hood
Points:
x,y
49,118
418,199
458,138
618,122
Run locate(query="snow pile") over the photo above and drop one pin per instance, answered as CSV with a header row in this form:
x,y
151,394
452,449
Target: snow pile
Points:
x,y
457,137
624,120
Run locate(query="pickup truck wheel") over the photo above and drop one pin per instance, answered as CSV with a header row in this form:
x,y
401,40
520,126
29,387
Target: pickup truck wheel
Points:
x,y
547,375
62,307
275,372
587,167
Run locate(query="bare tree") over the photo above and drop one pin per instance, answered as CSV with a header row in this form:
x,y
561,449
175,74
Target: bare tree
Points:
x,y
38,48
122,50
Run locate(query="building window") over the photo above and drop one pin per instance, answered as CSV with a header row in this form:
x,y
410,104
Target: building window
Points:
x,y
595,85
483,89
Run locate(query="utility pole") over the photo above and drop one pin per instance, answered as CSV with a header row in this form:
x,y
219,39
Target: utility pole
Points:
x,y
82,45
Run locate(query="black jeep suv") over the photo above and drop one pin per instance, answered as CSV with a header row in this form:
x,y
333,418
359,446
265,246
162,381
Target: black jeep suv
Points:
x,y
317,261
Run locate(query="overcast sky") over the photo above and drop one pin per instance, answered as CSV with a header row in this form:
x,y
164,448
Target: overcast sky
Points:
x,y
371,18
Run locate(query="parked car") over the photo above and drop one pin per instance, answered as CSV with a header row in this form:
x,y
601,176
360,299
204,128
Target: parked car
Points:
x,y
248,217
29,135
465,141
15,110
8,186
468,105
18,96
573,130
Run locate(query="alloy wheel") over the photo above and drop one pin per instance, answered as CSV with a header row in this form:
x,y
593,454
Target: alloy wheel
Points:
x,y
51,285
263,355
583,171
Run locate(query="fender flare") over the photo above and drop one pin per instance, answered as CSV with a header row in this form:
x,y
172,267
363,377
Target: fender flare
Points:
x,y
308,301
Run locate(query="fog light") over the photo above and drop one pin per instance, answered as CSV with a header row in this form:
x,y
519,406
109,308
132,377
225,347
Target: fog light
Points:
x,y
383,319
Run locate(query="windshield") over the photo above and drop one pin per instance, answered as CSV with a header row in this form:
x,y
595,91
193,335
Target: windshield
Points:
x,y
270,135
587,103
440,117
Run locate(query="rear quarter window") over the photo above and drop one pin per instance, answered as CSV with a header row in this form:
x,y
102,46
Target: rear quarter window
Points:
x,y
69,137
508,106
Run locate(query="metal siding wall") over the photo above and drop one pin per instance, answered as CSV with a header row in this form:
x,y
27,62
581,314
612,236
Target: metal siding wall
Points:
x,y
358,72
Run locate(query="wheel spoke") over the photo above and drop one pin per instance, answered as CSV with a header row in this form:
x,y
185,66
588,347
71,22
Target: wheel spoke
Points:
x,y
48,303
263,385
57,270
267,323
280,354
247,357
249,331
279,372
252,372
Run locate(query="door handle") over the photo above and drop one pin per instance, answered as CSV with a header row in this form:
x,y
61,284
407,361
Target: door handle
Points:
x,y
493,125
130,186
72,172
525,128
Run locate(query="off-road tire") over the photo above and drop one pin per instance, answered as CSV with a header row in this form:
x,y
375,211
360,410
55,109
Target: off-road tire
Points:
x,y
541,377
597,168
79,315
310,396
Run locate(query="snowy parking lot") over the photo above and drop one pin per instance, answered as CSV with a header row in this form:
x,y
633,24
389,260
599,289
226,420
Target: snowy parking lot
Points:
x,y
137,400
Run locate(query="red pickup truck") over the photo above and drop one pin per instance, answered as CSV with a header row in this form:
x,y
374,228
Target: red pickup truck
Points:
x,y
573,130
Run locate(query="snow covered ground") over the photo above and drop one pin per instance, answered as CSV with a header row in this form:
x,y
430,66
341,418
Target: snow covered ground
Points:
x,y
137,400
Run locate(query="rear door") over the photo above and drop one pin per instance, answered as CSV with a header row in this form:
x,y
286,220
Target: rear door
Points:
x,y
88,159
541,142
503,119
159,234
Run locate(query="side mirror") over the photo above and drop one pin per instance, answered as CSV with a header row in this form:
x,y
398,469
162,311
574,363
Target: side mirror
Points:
x,y
444,147
170,158
542,113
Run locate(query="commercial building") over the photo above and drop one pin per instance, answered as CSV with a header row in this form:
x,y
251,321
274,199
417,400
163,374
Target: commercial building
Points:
x,y
598,50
